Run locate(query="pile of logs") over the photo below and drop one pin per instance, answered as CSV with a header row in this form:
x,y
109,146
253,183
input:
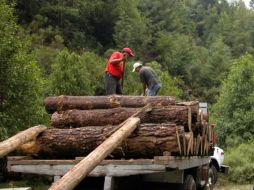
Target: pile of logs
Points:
x,y
81,123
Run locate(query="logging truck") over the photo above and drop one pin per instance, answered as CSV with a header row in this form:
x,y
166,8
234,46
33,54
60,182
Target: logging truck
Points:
x,y
131,142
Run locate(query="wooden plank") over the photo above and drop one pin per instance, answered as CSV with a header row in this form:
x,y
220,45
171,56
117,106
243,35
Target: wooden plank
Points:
x,y
189,118
178,141
108,183
42,162
198,144
190,103
106,170
190,144
126,162
62,162
184,145
187,163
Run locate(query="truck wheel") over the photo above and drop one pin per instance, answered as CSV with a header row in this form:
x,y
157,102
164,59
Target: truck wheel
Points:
x,y
215,174
209,185
189,183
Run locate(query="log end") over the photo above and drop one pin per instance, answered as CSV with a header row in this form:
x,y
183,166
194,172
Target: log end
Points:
x,y
30,148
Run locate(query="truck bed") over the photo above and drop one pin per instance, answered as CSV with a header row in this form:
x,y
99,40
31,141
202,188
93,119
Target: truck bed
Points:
x,y
107,167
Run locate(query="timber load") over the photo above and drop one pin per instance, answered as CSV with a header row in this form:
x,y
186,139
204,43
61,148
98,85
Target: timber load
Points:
x,y
80,124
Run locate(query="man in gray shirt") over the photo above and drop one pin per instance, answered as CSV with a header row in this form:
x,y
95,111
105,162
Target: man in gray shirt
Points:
x,y
148,78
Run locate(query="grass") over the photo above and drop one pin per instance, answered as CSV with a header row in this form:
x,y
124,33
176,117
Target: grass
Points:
x,y
36,182
224,184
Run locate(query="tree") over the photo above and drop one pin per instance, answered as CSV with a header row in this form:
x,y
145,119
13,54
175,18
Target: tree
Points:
x,y
174,54
21,82
208,68
132,33
234,109
70,76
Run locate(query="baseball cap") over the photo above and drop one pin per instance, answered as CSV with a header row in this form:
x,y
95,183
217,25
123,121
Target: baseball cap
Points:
x,y
128,50
136,65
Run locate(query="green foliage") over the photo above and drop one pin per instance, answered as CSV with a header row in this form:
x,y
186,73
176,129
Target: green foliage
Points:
x,y
240,158
132,31
70,76
208,68
95,66
234,111
170,85
174,54
21,82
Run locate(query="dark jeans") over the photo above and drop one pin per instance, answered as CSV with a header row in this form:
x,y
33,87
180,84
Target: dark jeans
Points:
x,y
112,84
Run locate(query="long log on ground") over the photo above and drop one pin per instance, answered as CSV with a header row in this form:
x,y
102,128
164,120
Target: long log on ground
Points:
x,y
23,137
147,141
102,117
85,166
61,103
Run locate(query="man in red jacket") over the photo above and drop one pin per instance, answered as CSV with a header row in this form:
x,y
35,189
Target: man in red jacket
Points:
x,y
114,70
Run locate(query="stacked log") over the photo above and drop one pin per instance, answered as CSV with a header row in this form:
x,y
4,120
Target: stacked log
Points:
x,y
61,103
82,123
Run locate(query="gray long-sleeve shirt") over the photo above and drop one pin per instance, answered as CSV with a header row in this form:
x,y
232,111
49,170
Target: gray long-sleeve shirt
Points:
x,y
148,76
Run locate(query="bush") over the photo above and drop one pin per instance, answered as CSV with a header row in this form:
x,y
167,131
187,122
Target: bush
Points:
x,y
240,158
70,75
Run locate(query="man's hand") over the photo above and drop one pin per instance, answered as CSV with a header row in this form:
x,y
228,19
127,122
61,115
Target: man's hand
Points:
x,y
125,56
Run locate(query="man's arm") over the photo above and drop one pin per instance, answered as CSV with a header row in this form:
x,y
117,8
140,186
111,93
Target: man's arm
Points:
x,y
115,61
144,89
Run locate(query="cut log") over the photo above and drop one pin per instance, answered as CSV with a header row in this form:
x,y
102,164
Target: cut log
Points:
x,y
74,176
102,117
147,141
23,137
61,103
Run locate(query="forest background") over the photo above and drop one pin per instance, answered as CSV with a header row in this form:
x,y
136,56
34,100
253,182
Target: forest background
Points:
x,y
202,49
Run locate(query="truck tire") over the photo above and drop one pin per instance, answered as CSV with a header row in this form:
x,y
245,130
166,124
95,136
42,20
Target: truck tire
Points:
x,y
210,184
215,174
189,183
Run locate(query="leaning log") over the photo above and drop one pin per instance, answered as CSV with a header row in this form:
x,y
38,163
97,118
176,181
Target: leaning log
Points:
x,y
147,141
61,103
76,174
102,117
23,137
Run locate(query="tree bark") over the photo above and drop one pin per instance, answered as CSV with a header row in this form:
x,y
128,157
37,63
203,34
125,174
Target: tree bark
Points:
x,y
23,137
74,176
103,117
147,141
62,103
